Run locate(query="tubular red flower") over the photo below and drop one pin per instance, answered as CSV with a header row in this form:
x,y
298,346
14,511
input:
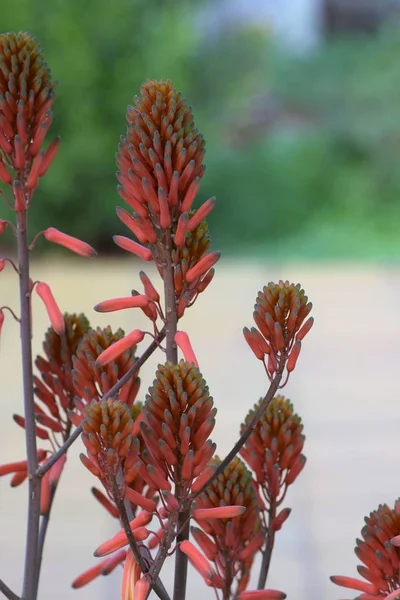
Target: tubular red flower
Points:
x,y
202,266
67,241
104,501
149,288
130,577
114,304
5,175
354,584
49,156
201,213
293,356
118,348
181,229
197,559
133,247
105,567
183,342
141,589
55,315
139,500
221,512
56,470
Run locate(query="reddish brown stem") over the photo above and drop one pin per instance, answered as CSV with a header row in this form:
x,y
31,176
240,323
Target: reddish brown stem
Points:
x,y
7,592
248,431
269,546
32,537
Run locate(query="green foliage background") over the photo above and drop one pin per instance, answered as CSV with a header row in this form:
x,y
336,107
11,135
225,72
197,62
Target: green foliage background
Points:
x,y
320,178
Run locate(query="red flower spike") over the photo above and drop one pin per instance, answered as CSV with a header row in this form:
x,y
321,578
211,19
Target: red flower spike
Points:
x,y
133,247
202,266
149,288
19,196
201,213
183,342
67,241
262,595
181,229
118,348
114,304
199,561
55,315
104,501
222,512
49,156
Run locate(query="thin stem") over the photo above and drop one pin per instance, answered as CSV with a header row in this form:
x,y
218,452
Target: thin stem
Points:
x,y
269,546
248,431
181,560
113,390
7,592
157,586
32,536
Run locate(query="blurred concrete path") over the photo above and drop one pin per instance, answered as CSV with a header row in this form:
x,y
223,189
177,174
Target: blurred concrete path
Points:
x,y
346,388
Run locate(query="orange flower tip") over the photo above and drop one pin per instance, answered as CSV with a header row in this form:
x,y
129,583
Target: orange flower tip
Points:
x,y
201,213
115,350
55,315
262,595
139,301
219,512
133,247
67,241
183,342
305,329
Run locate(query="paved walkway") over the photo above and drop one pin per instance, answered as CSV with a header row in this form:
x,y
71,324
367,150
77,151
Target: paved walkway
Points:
x,y
346,389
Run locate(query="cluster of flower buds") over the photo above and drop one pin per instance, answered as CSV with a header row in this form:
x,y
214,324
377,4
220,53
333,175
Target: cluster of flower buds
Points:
x,y
279,314
26,96
178,418
379,551
91,379
231,541
54,389
273,451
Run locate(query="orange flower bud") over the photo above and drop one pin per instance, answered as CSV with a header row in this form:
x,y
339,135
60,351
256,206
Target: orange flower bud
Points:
x,y
197,559
202,266
49,156
253,343
55,315
201,213
19,161
173,190
40,133
183,342
141,589
206,544
165,217
104,501
56,470
119,347
114,304
355,584
149,288
181,229
138,500
67,241
293,356
202,479
5,175
150,195
133,247
190,195
34,174
219,512
132,224
45,494
105,567
305,329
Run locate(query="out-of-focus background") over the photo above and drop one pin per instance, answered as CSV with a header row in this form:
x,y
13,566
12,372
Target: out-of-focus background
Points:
x,y
299,102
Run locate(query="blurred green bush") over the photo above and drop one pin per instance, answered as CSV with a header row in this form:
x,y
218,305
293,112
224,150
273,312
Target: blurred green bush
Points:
x,y
302,153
